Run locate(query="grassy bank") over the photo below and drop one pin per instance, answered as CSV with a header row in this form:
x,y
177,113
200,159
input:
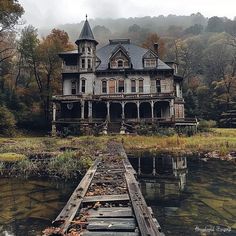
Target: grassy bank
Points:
x,y
221,140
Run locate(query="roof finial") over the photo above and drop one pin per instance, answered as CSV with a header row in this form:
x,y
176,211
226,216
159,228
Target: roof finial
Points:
x,y
86,16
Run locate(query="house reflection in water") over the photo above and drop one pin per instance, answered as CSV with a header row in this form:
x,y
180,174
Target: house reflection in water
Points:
x,y
162,178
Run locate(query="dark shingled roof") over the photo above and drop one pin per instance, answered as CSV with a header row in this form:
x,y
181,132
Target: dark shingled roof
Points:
x,y
135,53
86,33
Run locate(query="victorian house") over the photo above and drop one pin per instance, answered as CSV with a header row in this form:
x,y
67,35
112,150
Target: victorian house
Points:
x,y
117,87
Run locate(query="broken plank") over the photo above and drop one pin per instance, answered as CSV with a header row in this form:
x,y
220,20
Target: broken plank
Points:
x,y
106,198
120,224
113,212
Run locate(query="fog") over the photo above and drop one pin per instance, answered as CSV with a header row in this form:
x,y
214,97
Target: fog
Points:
x,y
49,13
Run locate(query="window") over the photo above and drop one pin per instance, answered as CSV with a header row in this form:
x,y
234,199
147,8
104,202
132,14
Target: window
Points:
x,y
89,50
151,63
83,50
83,86
104,86
133,86
83,63
121,86
158,86
89,64
120,64
140,86
73,87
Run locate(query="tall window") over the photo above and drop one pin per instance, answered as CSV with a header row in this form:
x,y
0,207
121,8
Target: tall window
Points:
x,y
89,64
140,85
120,64
133,86
158,86
104,86
73,87
83,63
121,86
83,84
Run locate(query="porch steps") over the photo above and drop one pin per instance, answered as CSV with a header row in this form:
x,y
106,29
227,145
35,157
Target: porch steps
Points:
x,y
114,127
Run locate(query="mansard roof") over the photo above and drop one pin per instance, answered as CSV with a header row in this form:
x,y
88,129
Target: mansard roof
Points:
x,y
86,33
135,53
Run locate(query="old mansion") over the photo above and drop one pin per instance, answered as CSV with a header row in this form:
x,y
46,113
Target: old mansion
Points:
x,y
117,87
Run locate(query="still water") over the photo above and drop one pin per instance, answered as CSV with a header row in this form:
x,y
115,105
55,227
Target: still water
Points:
x,y
28,206
189,198
197,200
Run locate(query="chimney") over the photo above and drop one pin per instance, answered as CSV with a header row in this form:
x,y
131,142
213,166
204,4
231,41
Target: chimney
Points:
x,y
155,46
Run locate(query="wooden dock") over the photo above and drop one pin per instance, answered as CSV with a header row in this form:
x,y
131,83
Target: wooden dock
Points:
x,y
107,202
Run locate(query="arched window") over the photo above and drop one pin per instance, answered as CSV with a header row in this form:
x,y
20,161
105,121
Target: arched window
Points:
x,y
120,64
104,86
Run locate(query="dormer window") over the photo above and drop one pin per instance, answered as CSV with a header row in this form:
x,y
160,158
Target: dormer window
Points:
x,y
150,63
83,50
120,64
83,63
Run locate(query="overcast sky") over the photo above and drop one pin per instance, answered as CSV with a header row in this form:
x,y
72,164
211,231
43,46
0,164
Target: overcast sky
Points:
x,y
41,13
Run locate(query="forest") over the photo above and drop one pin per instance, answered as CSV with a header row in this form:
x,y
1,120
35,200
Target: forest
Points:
x,y
204,48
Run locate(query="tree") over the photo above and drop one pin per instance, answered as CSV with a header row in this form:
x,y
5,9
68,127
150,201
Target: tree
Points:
x,y
41,59
151,40
195,29
7,121
215,24
10,13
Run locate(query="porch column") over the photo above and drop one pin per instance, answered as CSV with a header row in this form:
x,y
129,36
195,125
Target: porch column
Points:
x,y
172,108
54,110
90,111
123,110
139,166
152,109
82,110
108,111
154,166
138,111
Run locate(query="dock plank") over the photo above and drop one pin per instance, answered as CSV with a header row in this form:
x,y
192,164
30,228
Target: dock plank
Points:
x,y
106,198
112,212
87,233
120,224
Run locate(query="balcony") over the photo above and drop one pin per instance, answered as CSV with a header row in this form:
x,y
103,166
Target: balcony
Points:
x,y
70,69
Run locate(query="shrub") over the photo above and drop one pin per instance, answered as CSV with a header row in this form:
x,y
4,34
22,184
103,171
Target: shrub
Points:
x,y
206,125
7,122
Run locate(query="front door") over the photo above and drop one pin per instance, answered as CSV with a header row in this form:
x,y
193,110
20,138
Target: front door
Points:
x,y
112,86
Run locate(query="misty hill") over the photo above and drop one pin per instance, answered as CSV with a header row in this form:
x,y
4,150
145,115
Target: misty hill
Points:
x,y
138,28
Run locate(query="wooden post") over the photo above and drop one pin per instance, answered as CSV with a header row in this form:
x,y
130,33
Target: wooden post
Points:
x,y
54,111
108,111
82,110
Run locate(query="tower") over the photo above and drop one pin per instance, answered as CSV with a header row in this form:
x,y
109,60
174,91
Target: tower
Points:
x,y
87,48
